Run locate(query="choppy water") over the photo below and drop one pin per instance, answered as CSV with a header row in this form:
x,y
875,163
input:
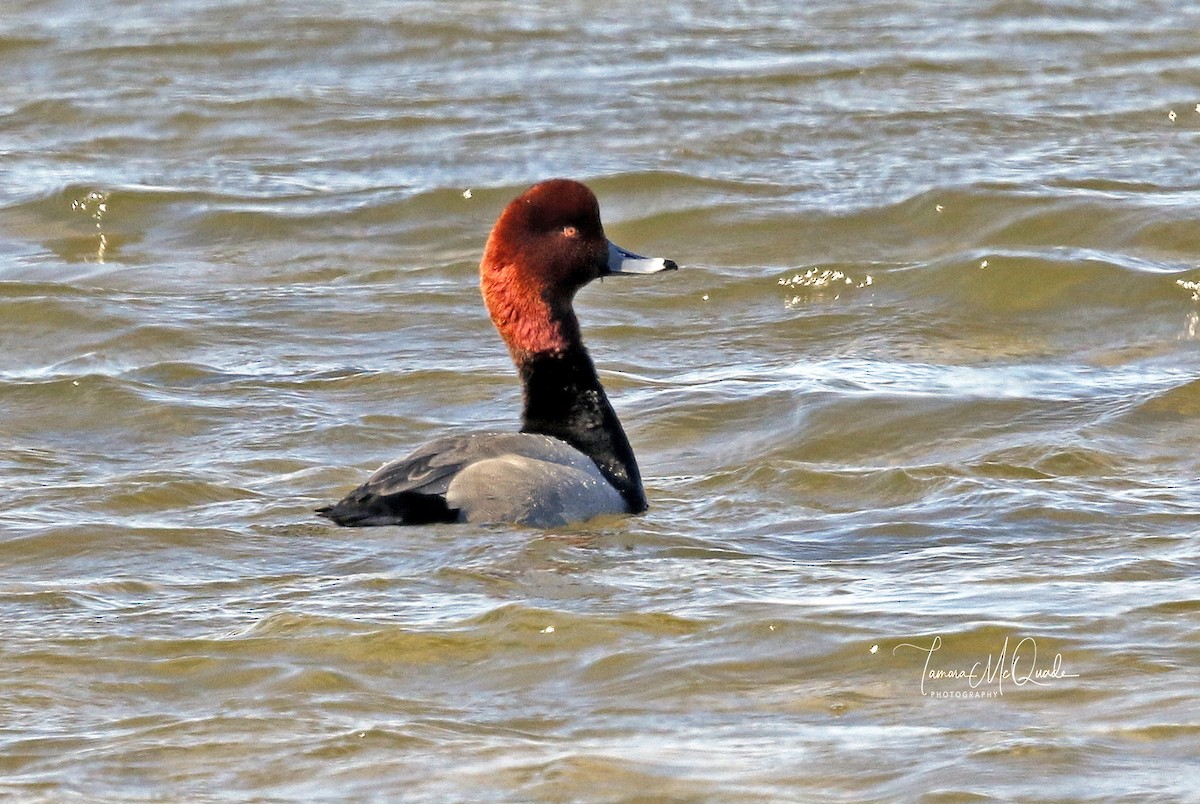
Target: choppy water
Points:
x,y
923,400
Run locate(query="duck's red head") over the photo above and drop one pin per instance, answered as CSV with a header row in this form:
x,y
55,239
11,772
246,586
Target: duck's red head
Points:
x,y
546,245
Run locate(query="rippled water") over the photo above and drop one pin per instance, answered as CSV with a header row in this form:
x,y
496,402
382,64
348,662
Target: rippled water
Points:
x,y
922,401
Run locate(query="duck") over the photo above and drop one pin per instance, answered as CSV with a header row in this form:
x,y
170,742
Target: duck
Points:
x,y
571,460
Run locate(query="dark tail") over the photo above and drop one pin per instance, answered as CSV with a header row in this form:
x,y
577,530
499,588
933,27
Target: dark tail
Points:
x,y
358,510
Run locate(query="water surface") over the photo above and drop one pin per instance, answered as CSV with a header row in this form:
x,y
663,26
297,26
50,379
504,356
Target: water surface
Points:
x,y
923,400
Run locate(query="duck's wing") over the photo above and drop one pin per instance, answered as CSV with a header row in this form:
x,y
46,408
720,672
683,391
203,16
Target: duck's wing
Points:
x,y
416,490
410,490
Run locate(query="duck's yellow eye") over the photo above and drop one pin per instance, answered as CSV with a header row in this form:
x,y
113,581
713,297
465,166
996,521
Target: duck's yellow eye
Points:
x,y
570,231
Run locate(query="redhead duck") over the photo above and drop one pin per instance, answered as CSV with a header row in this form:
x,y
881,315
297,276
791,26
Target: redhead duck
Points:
x,y
571,460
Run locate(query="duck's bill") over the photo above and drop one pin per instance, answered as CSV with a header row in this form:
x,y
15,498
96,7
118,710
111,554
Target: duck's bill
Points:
x,y
621,261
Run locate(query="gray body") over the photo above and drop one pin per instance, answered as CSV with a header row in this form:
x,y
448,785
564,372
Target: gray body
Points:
x,y
522,478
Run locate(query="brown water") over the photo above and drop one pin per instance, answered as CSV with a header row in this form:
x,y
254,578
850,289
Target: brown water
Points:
x,y
923,400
